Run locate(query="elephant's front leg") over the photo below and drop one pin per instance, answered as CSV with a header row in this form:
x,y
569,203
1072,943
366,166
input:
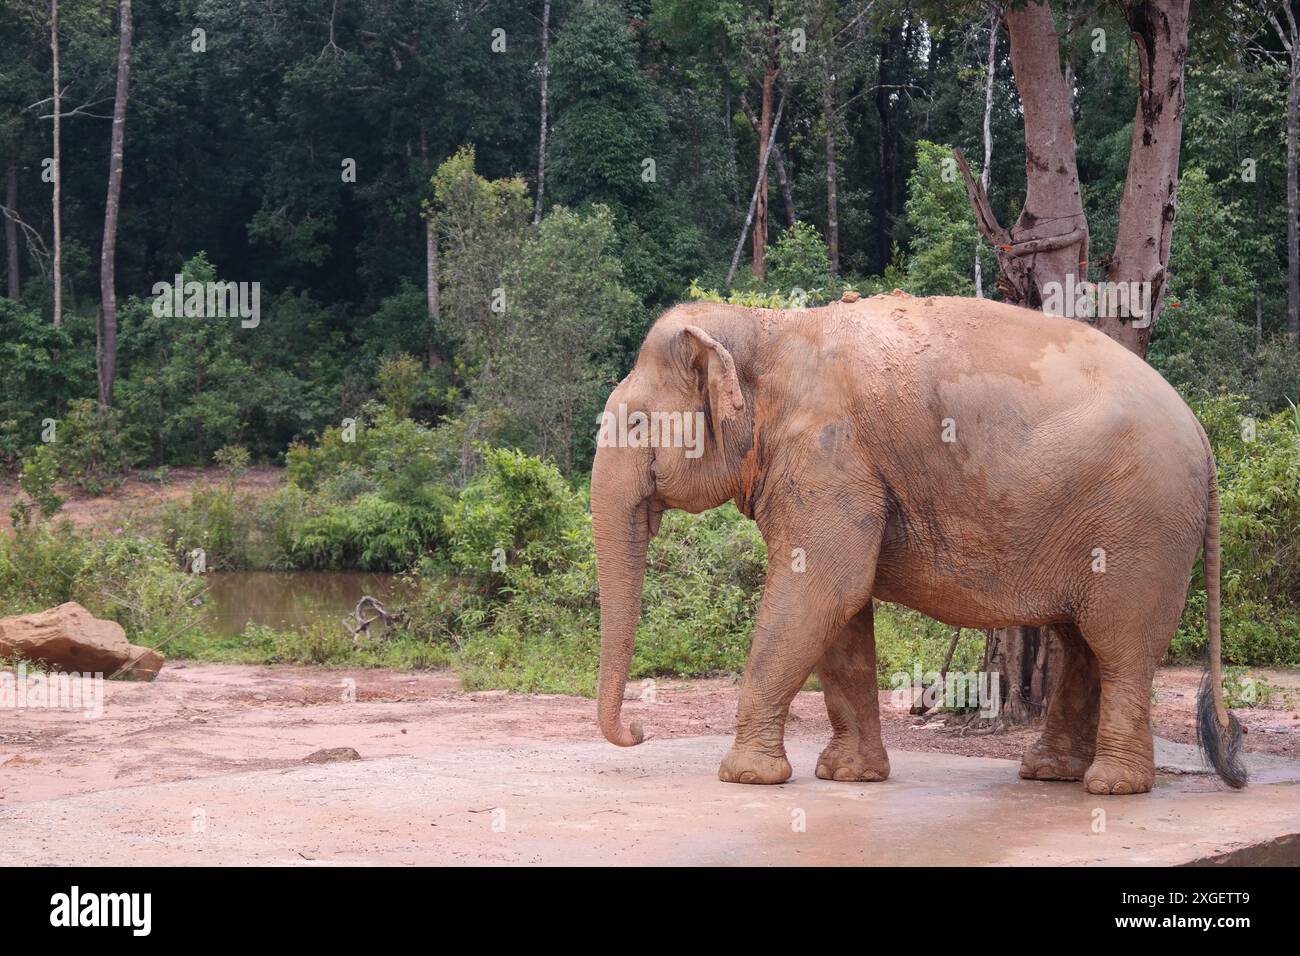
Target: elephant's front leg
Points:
x,y
848,675
813,591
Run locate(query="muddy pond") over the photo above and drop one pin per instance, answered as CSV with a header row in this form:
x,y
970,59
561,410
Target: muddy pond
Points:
x,y
287,600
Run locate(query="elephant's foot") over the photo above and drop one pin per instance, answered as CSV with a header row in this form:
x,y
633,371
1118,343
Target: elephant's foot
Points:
x,y
1108,775
1048,761
751,766
849,761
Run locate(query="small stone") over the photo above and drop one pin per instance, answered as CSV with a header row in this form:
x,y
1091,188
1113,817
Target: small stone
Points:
x,y
332,755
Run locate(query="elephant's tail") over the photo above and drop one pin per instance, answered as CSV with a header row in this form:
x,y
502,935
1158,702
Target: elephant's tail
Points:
x,y
1217,730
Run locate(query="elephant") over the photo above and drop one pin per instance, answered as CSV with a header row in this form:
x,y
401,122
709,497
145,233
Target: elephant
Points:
x,y
985,464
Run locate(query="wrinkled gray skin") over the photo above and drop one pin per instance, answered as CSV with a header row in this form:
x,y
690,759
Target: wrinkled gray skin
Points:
x,y
828,426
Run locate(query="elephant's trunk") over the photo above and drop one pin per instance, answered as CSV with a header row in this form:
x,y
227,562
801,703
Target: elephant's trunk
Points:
x,y
621,522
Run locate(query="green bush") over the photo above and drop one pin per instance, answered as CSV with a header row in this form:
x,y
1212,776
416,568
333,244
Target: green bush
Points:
x,y
131,579
370,534
520,512
704,582
90,446
217,520
1259,490
400,383
38,567
541,631
1261,512
799,259
906,639
1255,632
39,473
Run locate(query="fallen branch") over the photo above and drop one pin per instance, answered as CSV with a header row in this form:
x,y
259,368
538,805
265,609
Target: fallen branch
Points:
x,y
358,624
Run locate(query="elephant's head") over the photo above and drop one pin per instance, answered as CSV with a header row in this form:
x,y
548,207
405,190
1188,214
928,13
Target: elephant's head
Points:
x,y
673,435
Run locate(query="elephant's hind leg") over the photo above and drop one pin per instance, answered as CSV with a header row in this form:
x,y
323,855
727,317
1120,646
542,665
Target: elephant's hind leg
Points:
x,y
1069,740
1127,655
847,672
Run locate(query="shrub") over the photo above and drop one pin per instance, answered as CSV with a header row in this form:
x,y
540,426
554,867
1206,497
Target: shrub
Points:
x,y
40,472
123,576
90,446
370,533
399,383
907,639
38,567
799,259
1259,481
541,631
217,522
519,512
1261,512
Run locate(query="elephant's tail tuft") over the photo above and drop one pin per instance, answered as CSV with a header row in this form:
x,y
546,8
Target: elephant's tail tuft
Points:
x,y
1218,732
1220,745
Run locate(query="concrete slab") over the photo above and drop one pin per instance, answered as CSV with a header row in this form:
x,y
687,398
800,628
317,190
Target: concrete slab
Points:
x,y
661,803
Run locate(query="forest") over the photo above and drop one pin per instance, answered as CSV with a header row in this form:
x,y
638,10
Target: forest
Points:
x,y
401,251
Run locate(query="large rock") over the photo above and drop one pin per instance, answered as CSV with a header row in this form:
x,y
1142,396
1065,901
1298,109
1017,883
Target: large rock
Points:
x,y
70,638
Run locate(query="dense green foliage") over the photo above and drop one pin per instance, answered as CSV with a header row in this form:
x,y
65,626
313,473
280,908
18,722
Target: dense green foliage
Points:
x,y
378,127
129,578
326,154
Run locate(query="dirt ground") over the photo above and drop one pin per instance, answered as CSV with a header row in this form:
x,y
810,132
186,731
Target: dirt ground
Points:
x,y
203,720
139,496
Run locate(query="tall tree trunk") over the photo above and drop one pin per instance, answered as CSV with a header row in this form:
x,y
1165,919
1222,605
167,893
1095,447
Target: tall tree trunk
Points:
x,y
830,118
783,180
1290,37
1292,205
778,161
431,268
433,299
1259,285
1146,210
887,147
1049,242
58,172
985,170
11,228
759,181
541,136
764,134
107,352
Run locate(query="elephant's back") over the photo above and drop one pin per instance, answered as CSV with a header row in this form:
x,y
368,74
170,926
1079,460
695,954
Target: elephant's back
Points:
x,y
1015,383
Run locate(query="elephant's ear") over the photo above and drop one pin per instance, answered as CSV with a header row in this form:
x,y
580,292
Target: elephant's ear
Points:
x,y
715,368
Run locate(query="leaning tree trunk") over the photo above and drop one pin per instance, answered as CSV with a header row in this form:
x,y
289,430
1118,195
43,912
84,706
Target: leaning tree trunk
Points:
x,y
764,134
760,182
1049,241
107,352
778,161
